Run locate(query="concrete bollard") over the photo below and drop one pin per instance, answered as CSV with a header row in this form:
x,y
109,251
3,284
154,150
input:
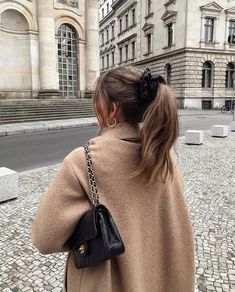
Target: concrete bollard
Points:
x,y
233,126
8,184
194,137
219,131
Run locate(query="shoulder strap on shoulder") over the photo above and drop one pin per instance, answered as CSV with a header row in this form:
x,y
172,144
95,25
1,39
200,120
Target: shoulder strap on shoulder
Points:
x,y
93,196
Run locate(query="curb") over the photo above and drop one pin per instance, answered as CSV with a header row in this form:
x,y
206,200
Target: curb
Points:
x,y
39,129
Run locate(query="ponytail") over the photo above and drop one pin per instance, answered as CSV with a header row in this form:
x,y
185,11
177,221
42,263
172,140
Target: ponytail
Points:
x,y
122,86
158,135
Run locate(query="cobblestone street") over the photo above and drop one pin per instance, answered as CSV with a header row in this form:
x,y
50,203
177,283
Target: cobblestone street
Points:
x,y
209,172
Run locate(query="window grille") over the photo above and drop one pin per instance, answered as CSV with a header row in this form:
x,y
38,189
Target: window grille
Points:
x,y
149,43
149,7
231,32
170,34
127,51
168,74
229,75
207,75
67,61
209,30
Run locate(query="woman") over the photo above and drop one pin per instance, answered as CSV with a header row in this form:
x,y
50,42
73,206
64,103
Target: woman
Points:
x,y
138,180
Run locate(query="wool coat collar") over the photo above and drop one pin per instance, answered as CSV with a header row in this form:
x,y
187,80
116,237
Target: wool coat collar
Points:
x,y
122,130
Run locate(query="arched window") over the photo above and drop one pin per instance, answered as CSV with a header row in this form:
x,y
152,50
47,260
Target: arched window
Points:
x,y
229,75
67,61
207,73
168,73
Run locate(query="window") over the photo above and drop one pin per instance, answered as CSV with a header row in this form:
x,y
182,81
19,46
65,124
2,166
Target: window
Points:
x,y
207,75
103,62
113,31
120,55
149,43
231,32
107,61
149,7
127,20
112,58
102,12
133,16
209,30
168,73
133,49
170,34
107,7
127,51
102,38
229,75
67,61
120,25
107,35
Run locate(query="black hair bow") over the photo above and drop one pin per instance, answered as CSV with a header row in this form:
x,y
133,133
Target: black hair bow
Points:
x,y
149,85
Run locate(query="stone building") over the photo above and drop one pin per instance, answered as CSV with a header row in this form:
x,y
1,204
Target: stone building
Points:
x,y
190,42
48,48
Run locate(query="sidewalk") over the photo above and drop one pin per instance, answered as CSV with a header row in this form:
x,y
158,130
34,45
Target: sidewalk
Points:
x,y
208,172
42,126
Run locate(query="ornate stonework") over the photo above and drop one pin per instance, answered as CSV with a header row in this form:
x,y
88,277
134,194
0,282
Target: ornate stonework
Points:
x,y
72,3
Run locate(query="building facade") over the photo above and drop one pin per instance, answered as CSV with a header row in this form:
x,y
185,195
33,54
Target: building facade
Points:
x,y
48,48
190,42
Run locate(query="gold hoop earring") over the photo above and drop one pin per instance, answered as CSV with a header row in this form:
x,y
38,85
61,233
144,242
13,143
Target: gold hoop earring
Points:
x,y
113,125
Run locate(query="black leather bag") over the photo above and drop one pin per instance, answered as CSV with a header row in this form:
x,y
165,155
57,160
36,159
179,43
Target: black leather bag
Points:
x,y
96,237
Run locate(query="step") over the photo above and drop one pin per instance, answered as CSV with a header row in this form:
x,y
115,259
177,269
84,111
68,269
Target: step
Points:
x,y
46,103
41,119
44,107
43,112
47,116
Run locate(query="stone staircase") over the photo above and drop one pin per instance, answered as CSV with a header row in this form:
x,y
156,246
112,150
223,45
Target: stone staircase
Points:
x,y
15,111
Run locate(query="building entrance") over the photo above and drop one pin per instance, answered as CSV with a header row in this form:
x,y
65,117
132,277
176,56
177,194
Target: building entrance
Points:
x,y
67,61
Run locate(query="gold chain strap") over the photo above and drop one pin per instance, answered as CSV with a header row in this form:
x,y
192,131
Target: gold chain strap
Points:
x,y
94,197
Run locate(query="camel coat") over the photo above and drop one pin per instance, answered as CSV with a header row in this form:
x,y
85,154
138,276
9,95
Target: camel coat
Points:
x,y
153,220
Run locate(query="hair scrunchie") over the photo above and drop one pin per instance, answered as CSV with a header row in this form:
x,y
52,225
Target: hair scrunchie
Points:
x,y
148,86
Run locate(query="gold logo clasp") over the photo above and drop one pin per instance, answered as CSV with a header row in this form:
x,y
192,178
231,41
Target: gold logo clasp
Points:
x,y
82,249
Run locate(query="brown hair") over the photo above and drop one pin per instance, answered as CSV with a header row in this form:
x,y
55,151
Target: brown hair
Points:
x,y
160,120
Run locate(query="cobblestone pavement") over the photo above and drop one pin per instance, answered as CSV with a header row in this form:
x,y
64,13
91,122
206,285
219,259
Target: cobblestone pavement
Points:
x,y
210,188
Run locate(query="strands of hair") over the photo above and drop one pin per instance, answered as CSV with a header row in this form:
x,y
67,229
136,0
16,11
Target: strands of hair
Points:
x,y
160,126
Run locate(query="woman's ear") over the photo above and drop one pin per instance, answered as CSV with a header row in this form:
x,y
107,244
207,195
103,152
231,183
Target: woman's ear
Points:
x,y
114,109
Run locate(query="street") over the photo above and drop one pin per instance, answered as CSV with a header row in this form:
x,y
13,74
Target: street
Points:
x,y
29,151
208,172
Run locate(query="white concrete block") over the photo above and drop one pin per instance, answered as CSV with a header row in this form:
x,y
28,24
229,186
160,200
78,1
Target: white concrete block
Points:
x,y
233,126
8,184
219,131
194,137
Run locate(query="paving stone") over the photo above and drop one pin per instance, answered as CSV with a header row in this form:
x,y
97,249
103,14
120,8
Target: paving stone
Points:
x,y
209,189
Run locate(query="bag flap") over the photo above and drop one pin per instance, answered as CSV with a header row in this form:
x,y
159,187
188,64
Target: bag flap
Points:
x,y
85,230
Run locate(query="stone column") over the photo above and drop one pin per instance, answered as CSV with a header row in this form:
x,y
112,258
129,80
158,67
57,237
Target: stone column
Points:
x,y
202,37
47,50
82,67
216,28
226,44
34,54
92,45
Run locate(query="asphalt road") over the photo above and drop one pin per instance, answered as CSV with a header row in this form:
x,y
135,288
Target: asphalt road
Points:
x,y
24,152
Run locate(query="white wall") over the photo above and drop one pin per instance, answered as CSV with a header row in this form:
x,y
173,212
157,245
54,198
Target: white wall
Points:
x,y
15,62
196,27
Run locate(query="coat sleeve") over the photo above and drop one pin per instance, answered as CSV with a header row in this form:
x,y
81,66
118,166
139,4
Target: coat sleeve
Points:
x,y
60,208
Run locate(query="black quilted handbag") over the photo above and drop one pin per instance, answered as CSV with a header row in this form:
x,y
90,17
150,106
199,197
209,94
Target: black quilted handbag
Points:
x,y
96,237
